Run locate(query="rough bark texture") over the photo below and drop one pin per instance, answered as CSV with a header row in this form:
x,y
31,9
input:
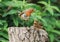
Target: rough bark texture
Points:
x,y
27,34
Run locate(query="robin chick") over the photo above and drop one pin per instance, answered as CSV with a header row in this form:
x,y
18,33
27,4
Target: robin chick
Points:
x,y
37,25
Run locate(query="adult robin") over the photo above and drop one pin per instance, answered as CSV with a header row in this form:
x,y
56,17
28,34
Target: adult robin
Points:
x,y
25,15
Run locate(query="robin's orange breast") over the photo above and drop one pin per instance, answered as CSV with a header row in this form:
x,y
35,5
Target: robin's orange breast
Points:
x,y
28,12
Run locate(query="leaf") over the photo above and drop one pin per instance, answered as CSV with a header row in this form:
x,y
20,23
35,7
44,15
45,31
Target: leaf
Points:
x,y
57,14
58,23
57,40
44,3
5,26
52,37
1,22
56,8
3,35
12,3
11,12
51,21
3,39
15,20
55,31
50,10
0,0
37,7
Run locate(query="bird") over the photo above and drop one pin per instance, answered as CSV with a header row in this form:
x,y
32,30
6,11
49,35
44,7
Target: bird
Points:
x,y
37,25
25,15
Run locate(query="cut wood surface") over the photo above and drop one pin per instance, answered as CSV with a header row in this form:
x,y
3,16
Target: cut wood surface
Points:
x,y
27,34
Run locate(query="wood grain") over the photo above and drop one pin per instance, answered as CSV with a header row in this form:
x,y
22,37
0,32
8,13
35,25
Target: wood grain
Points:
x,y
27,34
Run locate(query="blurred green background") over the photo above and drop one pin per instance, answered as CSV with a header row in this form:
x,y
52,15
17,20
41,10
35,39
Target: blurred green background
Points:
x,y
46,11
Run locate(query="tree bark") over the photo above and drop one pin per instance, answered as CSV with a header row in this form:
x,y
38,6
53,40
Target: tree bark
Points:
x,y
27,34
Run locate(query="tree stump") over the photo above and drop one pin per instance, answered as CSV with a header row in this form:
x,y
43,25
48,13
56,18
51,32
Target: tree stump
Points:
x,y
27,34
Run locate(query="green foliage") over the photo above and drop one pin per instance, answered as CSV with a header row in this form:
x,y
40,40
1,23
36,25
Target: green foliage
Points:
x,y
48,15
50,21
15,20
49,8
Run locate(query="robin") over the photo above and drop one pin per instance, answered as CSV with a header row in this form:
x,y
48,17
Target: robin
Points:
x,y
25,15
